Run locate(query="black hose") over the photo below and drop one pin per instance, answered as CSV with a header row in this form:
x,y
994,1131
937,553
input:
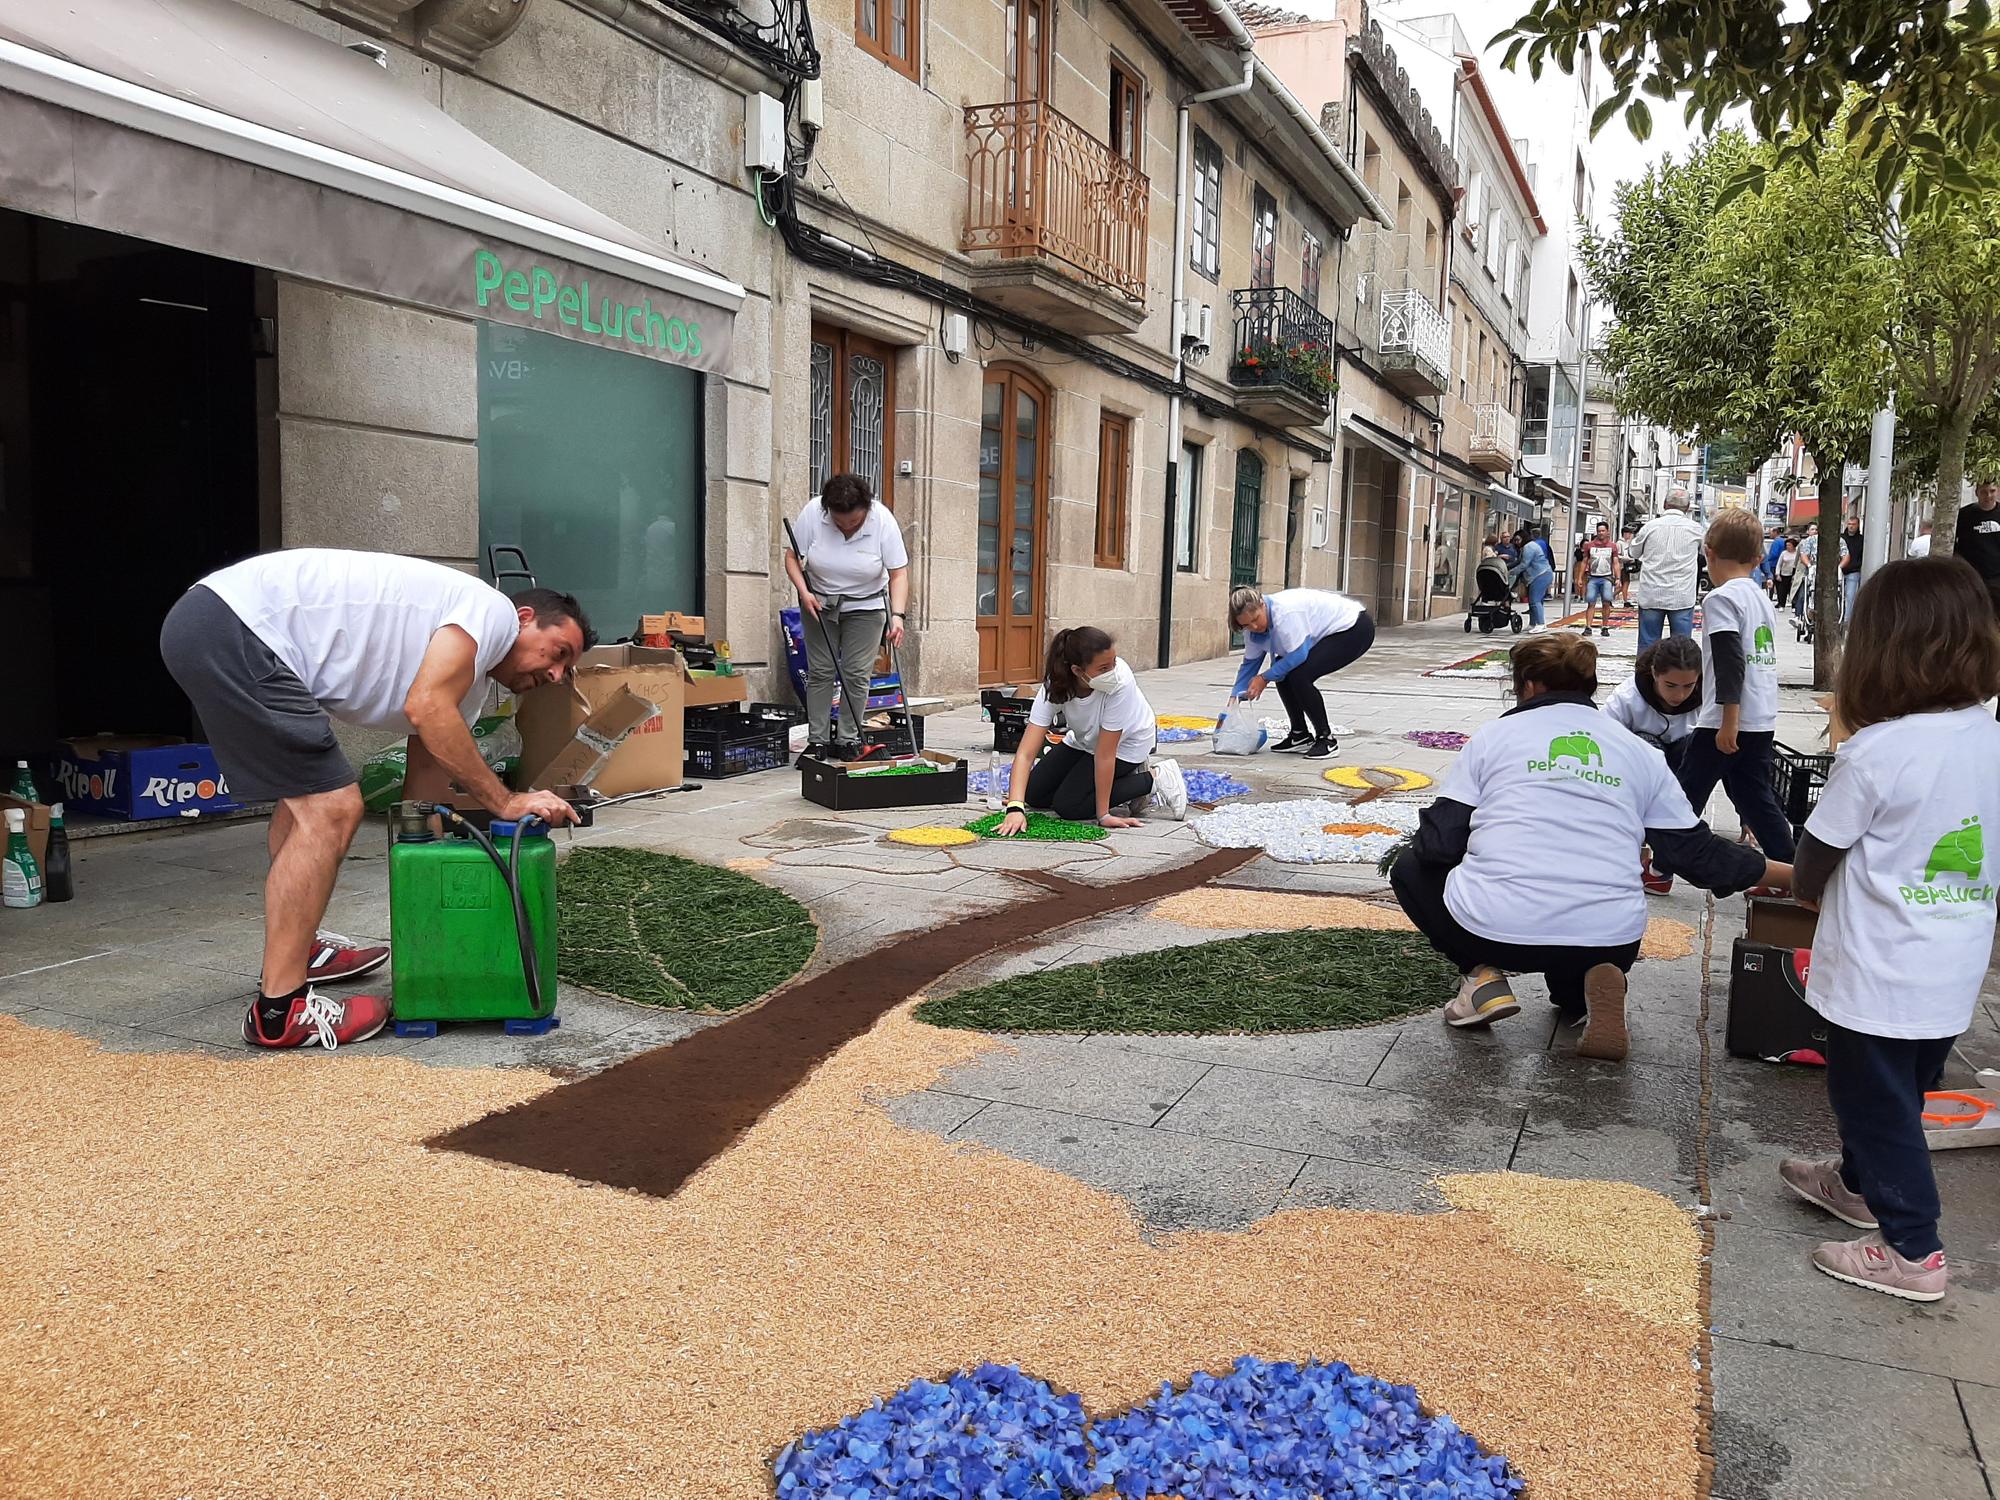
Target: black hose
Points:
x,y
524,932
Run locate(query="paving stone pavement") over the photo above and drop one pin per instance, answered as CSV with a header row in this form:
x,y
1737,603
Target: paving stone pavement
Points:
x,y
1821,1391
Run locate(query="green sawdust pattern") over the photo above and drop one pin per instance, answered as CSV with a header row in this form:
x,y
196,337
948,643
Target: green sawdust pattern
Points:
x,y
674,932
1043,826
923,770
1274,981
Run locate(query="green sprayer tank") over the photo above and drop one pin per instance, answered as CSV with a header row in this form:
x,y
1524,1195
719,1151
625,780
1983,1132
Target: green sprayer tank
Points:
x,y
456,955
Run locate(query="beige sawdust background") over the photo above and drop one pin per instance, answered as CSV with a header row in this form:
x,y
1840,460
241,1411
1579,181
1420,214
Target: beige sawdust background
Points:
x,y
1223,910
247,1278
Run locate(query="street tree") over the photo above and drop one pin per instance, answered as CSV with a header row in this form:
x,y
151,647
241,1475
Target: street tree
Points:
x,y
1912,86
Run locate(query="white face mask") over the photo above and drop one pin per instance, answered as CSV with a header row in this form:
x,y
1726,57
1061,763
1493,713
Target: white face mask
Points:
x,y
1116,680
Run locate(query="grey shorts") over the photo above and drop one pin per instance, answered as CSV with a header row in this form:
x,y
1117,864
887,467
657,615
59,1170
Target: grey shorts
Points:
x,y
271,738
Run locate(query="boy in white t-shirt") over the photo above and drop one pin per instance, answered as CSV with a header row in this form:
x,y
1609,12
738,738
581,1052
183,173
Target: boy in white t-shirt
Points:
x,y
1735,735
1895,857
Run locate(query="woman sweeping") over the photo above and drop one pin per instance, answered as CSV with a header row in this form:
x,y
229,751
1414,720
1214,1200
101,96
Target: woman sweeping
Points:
x,y
860,586
1553,784
1291,639
1099,773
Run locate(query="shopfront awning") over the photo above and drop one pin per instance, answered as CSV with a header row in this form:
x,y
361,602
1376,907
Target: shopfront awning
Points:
x,y
1512,502
202,124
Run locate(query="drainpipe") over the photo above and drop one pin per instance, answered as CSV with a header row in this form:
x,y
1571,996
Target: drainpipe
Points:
x,y
1177,323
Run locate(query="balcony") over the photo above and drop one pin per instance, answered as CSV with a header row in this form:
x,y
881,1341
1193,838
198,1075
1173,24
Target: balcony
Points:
x,y
1416,344
1057,219
1496,438
1281,360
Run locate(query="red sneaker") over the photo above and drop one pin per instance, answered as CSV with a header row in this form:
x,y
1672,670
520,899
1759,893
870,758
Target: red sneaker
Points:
x,y
336,959
317,1018
1655,883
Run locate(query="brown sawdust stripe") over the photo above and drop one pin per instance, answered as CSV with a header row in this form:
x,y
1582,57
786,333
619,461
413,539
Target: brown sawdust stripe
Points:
x,y
655,1120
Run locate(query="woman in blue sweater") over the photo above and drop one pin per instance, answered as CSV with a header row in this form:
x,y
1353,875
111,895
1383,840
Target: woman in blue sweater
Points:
x,y
1540,572
1291,639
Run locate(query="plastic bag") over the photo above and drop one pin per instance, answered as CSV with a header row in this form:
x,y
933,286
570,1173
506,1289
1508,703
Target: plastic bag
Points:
x,y
382,773
1239,734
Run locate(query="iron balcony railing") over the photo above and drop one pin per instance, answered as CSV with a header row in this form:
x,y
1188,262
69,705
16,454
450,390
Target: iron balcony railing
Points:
x,y
1496,431
1412,325
1282,340
1038,183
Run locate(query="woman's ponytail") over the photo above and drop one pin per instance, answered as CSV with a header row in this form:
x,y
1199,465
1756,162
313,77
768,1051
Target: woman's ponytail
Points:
x,y
1070,651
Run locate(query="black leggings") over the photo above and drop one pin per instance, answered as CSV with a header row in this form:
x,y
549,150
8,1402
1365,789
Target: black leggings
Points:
x,y
1299,690
1746,777
1064,781
1419,889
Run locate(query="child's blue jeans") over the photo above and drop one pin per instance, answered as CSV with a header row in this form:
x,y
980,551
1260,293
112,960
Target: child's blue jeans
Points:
x,y
1876,1085
1746,777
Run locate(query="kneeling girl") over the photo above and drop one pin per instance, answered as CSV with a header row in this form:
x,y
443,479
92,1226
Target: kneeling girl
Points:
x,y
1109,734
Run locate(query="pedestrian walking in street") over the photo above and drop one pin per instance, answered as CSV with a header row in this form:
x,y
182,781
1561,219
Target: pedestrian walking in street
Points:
x,y
1978,537
1109,733
1658,703
1850,563
1597,576
1920,544
1555,784
853,576
1808,576
1627,569
1291,639
1535,573
1735,737
1894,857
1785,573
1668,550
272,649
1774,548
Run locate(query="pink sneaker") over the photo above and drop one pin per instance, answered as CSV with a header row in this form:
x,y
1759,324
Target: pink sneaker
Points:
x,y
1818,1182
1869,1262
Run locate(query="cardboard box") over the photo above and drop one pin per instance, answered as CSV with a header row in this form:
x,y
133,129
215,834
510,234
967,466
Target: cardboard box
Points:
x,y
38,825
673,623
705,689
1768,968
597,739
648,759
134,777
830,784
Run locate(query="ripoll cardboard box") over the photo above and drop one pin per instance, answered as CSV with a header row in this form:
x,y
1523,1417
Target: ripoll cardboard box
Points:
x,y
37,821
649,759
1768,968
134,777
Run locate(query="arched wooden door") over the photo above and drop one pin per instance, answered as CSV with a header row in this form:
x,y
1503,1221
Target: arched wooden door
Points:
x,y
1013,525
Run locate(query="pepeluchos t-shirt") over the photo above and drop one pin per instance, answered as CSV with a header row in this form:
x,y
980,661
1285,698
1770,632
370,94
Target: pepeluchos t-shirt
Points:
x,y
1740,606
1906,925
354,626
1113,702
1558,786
1628,705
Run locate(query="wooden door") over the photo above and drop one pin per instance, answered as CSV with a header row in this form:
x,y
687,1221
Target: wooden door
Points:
x,y
1246,519
1013,519
1028,34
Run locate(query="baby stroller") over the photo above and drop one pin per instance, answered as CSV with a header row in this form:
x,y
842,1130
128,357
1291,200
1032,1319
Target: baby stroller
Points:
x,y
1803,620
1494,605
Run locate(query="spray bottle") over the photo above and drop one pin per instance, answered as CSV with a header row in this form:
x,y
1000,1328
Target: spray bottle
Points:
x,y
20,876
57,882
24,782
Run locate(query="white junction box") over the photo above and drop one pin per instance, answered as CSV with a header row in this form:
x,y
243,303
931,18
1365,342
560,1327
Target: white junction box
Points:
x,y
763,134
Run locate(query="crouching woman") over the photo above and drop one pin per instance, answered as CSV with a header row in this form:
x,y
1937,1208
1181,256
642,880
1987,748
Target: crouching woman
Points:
x,y
1099,774
1554,785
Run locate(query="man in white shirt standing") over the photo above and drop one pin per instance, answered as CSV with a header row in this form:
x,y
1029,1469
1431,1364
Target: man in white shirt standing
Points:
x,y
272,649
1920,544
1668,550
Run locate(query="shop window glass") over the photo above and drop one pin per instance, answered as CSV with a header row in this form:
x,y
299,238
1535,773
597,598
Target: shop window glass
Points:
x,y
590,461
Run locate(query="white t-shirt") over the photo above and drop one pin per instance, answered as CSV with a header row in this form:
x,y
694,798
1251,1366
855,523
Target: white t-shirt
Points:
x,y
1600,556
1906,925
1920,545
1740,606
1113,702
354,626
1301,616
853,568
1560,788
1628,706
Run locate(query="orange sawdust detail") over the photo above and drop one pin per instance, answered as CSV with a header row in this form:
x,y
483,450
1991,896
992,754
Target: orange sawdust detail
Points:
x,y
1359,830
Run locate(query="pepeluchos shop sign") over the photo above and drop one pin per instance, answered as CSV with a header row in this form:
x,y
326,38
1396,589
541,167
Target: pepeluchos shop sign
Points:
x,y
541,293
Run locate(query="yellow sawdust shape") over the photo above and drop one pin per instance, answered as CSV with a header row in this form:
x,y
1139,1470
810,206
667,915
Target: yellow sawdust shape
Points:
x,y
929,836
749,864
1225,910
248,1277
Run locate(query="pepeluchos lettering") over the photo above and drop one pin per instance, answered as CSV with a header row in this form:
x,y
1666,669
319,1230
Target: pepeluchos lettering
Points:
x,y
541,294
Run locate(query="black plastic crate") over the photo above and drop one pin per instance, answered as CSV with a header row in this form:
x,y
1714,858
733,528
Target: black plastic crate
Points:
x,y
1010,722
742,719
1798,775
722,744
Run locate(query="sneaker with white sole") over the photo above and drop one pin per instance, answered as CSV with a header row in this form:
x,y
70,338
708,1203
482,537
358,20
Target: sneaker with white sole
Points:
x,y
1485,996
336,959
1818,1182
1170,789
314,1019
1870,1262
1605,1035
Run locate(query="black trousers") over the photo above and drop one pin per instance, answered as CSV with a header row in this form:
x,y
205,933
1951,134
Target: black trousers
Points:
x,y
1420,891
1781,590
1746,777
1064,781
1876,1085
1299,690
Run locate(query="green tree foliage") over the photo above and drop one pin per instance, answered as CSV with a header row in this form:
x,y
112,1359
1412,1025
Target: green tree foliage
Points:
x,y
1924,77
